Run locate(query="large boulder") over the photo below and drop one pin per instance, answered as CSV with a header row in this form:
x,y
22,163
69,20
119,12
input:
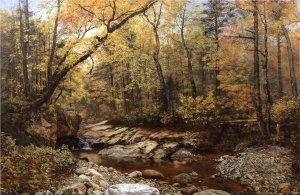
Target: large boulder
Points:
x,y
120,151
212,192
132,189
139,150
183,155
68,123
57,127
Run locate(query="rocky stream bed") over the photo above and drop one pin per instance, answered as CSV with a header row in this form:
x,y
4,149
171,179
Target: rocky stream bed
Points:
x,y
136,161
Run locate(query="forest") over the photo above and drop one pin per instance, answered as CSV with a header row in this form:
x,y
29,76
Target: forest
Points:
x,y
146,97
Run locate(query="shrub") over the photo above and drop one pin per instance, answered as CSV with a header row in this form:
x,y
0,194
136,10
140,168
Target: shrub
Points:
x,y
199,110
31,168
286,110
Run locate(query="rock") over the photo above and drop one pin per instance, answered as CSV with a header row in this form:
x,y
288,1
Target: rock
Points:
x,y
193,174
77,188
100,181
182,179
47,192
182,154
152,174
295,193
212,192
120,151
92,172
135,174
262,168
176,184
189,190
83,178
110,169
159,154
68,123
284,188
132,189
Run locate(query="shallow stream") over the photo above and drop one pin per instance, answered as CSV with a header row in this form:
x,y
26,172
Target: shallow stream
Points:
x,y
204,167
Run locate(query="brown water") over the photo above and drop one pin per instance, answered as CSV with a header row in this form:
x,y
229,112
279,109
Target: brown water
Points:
x,y
204,167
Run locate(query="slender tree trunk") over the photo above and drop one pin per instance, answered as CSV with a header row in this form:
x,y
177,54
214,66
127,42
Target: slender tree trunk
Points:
x,y
163,89
256,79
202,74
162,83
266,76
279,71
53,48
217,69
188,56
24,46
291,62
113,103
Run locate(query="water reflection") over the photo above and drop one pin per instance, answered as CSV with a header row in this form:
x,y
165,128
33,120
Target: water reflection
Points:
x,y
205,168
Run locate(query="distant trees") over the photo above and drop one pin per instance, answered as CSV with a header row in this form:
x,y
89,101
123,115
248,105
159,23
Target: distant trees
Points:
x,y
217,16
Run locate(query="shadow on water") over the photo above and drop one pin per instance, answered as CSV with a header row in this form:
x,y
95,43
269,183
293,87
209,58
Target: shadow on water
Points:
x,y
204,167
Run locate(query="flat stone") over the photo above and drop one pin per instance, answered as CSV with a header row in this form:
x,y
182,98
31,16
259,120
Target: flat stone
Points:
x,y
212,192
152,174
132,189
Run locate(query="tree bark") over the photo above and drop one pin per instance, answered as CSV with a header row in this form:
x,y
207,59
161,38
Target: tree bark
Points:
x,y
291,62
53,47
256,79
188,56
162,83
217,69
24,47
279,71
202,74
266,76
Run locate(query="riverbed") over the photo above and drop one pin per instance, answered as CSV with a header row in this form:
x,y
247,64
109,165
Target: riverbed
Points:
x,y
204,167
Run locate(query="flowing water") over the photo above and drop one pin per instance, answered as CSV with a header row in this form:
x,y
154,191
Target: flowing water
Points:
x,y
204,167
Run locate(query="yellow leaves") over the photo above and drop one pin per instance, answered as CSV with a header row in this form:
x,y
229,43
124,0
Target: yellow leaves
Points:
x,y
199,110
286,109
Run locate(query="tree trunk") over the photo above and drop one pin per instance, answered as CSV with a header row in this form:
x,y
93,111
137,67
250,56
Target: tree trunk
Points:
x,y
279,71
163,90
266,77
291,62
52,52
202,74
188,56
162,83
24,46
256,79
217,69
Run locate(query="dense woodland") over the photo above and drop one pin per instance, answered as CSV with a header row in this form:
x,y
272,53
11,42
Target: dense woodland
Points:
x,y
162,62
167,61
